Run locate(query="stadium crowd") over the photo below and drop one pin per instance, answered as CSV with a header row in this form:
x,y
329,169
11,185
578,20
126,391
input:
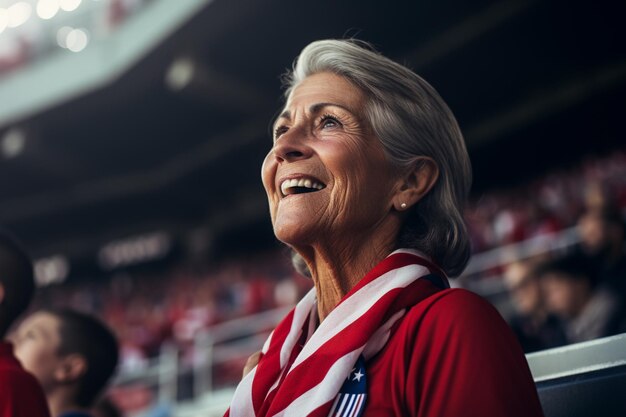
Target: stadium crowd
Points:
x,y
150,308
547,204
147,309
558,297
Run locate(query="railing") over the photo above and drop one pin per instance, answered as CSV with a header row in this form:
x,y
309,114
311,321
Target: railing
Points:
x,y
534,246
583,379
235,340
231,340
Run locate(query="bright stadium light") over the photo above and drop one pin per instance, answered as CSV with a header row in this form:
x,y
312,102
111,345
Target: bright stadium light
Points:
x,y
9,48
4,19
69,5
62,35
47,9
12,143
18,14
77,40
180,74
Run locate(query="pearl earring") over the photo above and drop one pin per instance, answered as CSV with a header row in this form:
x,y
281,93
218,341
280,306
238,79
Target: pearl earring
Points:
x,y
403,205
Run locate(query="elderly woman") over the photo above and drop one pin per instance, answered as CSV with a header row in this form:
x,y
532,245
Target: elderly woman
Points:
x,y
366,180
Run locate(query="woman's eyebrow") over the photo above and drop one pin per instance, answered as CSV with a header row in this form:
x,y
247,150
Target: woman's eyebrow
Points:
x,y
285,115
315,108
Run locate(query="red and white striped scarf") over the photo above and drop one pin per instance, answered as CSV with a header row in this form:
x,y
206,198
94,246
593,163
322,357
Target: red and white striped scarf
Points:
x,y
291,382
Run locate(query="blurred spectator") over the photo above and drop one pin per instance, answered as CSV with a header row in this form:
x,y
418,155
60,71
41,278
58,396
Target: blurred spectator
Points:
x,y
548,204
73,355
588,310
133,399
20,394
534,326
286,293
602,239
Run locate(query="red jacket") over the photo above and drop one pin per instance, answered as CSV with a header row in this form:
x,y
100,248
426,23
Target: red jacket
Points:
x,y
452,355
20,394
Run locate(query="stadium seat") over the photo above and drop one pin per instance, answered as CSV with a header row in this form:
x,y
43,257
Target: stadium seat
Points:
x,y
582,380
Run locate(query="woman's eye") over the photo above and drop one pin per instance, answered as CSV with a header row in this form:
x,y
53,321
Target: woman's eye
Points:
x,y
329,121
279,131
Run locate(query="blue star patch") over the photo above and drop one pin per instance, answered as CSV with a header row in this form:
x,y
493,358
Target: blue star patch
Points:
x,y
350,401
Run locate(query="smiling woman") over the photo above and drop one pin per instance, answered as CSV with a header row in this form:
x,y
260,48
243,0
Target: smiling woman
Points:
x,y
366,180
322,138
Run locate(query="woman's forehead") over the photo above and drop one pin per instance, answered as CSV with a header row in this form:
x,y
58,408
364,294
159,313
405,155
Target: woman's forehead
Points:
x,y
325,87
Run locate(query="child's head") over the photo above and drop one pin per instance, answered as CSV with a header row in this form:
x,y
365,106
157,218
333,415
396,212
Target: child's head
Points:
x,y
67,351
567,283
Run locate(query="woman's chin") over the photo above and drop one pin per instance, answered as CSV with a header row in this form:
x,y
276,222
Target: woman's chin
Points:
x,y
294,235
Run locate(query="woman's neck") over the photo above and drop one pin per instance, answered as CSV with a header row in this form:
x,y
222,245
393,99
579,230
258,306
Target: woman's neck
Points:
x,y
335,271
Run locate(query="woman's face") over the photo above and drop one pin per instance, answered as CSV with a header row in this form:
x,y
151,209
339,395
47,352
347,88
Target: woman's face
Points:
x,y
326,176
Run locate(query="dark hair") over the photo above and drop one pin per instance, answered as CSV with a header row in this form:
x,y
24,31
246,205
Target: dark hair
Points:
x,y
612,215
16,278
87,336
573,267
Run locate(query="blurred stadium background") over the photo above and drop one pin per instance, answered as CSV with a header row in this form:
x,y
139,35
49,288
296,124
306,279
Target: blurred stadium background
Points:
x,y
132,133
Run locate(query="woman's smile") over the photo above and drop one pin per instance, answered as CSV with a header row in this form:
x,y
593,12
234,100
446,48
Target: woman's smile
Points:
x,y
299,184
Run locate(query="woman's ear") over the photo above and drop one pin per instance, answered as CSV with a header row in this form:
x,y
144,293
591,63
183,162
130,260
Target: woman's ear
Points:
x,y
416,183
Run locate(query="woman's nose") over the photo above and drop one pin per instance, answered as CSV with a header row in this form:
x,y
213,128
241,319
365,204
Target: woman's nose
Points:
x,y
292,146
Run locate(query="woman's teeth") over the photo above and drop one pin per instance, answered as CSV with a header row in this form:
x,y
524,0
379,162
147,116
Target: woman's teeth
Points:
x,y
296,186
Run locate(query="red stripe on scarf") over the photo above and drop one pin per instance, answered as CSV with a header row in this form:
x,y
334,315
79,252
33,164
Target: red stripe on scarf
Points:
x,y
268,368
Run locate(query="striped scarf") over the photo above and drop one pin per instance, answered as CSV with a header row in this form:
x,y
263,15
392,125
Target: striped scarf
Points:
x,y
303,368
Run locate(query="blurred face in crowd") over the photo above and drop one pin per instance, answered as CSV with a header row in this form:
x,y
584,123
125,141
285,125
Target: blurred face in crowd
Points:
x,y
527,295
524,288
564,296
594,234
36,344
326,176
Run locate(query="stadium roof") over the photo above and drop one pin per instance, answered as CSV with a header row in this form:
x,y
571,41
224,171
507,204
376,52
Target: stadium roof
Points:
x,y
175,142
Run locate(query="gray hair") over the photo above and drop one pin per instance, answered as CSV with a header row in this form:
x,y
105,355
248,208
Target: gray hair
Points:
x,y
412,121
